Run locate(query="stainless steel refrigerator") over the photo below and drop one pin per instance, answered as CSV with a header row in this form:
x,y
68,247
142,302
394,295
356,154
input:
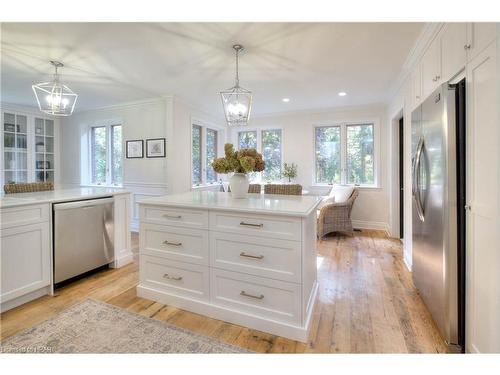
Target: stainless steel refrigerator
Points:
x,y
438,211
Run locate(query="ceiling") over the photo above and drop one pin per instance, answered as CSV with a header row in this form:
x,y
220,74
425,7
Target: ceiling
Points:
x,y
111,63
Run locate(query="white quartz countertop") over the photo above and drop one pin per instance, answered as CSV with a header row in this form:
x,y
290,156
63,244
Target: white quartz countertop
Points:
x,y
289,205
57,195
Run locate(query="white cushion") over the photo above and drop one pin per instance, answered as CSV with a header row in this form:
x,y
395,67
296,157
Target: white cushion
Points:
x,y
325,201
341,193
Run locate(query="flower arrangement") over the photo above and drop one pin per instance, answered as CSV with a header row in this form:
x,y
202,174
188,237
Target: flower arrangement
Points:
x,y
245,160
290,171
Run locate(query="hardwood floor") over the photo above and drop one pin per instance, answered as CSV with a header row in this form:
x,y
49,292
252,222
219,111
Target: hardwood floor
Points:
x,y
367,303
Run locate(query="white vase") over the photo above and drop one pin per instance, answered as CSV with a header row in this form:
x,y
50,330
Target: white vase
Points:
x,y
239,185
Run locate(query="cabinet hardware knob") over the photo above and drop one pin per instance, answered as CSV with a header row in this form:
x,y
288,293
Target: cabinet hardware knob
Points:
x,y
175,278
166,242
251,225
245,255
467,207
467,46
172,216
245,294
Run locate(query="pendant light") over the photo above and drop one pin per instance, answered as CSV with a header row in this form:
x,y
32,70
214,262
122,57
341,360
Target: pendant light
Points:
x,y
237,101
55,98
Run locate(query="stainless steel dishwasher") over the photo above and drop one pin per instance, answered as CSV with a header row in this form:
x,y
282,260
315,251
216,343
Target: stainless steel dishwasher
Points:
x,y
83,236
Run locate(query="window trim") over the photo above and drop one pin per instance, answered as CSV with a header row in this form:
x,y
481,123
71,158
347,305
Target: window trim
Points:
x,y
108,125
220,135
343,151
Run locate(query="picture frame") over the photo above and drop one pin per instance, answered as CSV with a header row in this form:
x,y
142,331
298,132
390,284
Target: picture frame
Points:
x,y
156,148
135,149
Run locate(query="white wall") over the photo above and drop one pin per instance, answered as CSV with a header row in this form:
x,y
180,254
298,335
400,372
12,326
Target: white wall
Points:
x,y
163,117
371,209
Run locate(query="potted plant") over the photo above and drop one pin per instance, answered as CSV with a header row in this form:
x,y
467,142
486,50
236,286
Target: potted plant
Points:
x,y
290,171
239,163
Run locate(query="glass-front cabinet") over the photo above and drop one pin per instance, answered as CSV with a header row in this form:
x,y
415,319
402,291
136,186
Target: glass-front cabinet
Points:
x,y
28,148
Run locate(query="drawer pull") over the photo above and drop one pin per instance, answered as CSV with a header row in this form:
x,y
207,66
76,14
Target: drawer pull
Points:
x,y
251,225
172,243
245,294
243,254
166,216
168,277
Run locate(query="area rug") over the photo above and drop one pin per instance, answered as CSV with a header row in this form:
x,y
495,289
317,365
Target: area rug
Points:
x,y
97,327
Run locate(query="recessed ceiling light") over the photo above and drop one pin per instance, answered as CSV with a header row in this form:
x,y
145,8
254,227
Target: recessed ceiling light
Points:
x,y
342,93
285,100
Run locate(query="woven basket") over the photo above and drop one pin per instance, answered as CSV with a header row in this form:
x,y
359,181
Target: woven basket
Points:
x,y
284,189
28,187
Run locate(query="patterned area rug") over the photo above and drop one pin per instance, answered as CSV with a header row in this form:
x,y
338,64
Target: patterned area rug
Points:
x,y
97,327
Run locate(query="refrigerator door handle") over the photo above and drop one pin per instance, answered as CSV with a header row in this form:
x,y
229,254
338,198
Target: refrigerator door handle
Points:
x,y
418,193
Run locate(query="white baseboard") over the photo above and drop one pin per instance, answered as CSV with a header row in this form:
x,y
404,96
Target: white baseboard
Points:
x,y
377,225
4,306
123,260
407,263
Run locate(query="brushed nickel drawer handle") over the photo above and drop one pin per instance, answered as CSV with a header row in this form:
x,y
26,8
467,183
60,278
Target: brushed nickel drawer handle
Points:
x,y
175,278
251,225
172,216
245,294
166,242
243,254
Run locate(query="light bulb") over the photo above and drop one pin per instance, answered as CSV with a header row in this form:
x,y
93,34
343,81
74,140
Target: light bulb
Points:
x,y
237,109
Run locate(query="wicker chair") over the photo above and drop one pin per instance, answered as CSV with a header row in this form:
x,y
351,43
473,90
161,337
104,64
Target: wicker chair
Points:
x,y
294,189
27,187
336,217
252,188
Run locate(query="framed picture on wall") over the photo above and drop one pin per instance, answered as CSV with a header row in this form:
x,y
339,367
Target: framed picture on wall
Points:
x,y
135,149
155,148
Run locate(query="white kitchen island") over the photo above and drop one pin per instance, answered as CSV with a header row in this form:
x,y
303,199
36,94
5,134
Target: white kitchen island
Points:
x,y
248,261
26,227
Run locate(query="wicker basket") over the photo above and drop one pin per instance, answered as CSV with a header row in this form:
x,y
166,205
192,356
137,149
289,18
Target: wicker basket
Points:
x,y
284,189
28,187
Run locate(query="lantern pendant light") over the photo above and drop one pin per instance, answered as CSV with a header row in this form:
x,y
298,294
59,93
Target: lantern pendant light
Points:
x,y
237,101
55,98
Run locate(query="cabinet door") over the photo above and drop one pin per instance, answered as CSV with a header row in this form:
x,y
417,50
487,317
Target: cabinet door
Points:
x,y
483,185
431,68
480,35
416,86
25,254
453,49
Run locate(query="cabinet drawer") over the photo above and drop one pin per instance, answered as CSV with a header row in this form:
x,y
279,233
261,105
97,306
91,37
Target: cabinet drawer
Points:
x,y
182,244
178,217
271,299
281,227
23,215
176,278
276,259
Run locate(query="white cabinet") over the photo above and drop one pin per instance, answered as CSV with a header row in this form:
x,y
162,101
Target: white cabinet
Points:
x,y
483,185
431,68
479,36
453,49
416,87
26,264
252,269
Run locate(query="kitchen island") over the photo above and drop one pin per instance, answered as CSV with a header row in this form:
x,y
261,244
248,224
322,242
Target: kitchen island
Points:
x,y
248,261
26,228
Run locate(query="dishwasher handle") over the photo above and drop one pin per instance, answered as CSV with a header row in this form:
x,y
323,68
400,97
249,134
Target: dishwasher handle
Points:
x,y
82,204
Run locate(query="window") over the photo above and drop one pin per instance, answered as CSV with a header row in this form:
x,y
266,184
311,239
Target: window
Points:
x,y
211,154
204,149
327,147
344,154
106,155
268,142
271,153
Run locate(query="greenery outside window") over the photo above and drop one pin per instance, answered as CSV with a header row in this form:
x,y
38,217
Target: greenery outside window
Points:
x,y
106,155
345,154
204,149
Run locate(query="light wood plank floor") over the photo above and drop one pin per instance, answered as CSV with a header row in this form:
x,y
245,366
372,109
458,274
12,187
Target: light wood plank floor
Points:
x,y
367,303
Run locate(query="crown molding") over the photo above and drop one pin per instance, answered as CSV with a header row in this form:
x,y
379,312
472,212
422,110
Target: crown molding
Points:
x,y
158,99
425,38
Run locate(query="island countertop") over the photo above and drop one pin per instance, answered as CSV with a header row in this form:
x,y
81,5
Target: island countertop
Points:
x,y
289,205
57,195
